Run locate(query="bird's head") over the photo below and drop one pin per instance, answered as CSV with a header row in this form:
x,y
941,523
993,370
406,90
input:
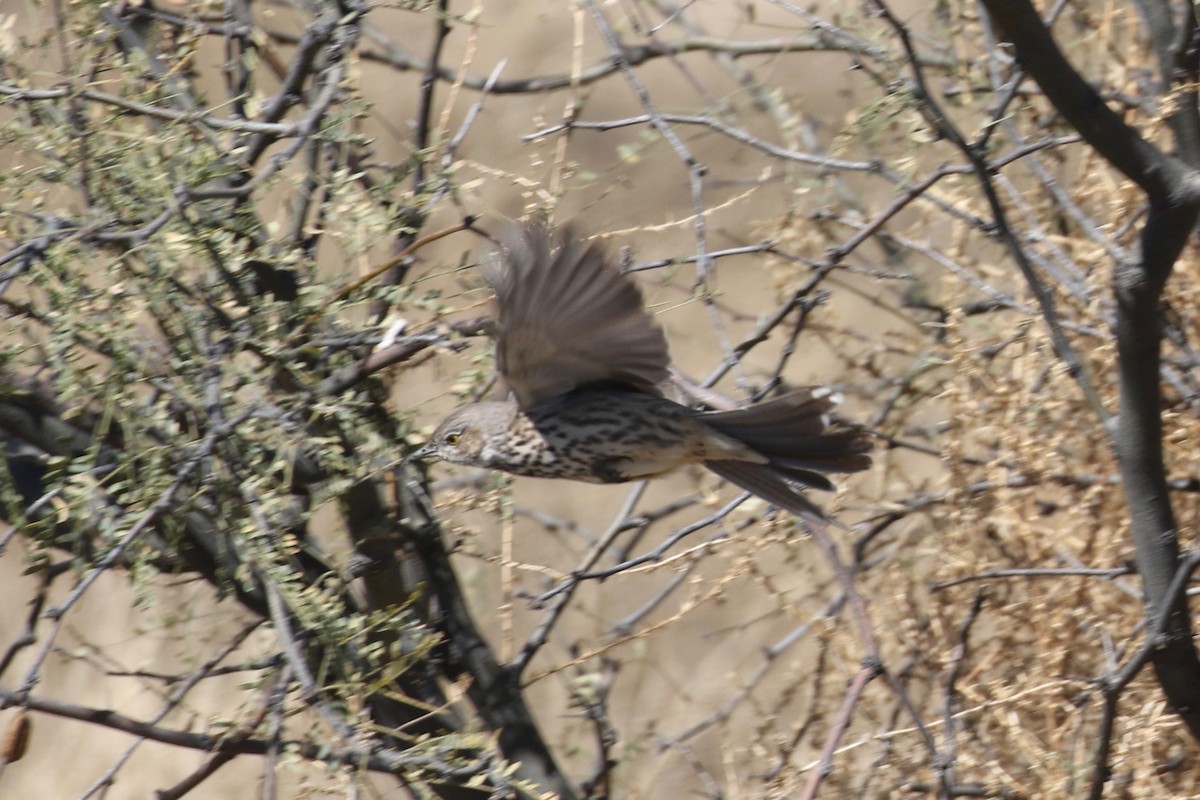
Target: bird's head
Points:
x,y
468,435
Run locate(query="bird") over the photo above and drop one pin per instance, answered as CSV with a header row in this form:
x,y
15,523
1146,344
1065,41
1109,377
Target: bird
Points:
x,y
588,368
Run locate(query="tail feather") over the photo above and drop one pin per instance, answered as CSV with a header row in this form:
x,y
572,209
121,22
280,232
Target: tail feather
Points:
x,y
796,432
802,476
759,479
801,412
800,440
828,455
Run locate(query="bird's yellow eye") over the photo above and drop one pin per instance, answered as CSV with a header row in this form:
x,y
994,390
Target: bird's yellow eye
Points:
x,y
452,439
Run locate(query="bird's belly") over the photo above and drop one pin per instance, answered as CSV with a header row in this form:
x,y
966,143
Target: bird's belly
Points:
x,y
604,439
602,460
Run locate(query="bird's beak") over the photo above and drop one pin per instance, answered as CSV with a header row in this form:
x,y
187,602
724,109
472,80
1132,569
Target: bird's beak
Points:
x,y
421,452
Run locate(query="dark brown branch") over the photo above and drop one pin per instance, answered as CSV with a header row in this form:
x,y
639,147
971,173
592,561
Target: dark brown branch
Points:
x,y
1163,177
380,760
494,689
1113,685
1171,189
390,52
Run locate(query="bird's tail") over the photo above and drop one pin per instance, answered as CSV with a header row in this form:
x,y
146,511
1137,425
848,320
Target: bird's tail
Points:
x,y
800,441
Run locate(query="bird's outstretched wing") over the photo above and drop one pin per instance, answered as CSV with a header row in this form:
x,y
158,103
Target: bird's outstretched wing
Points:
x,y
568,317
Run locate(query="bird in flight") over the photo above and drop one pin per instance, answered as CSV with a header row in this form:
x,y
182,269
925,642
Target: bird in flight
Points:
x,y
586,366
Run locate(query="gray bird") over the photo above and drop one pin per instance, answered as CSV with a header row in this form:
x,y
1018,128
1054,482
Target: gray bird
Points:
x,y
585,364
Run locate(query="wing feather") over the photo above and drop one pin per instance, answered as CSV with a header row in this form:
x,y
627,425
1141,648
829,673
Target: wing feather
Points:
x,y
568,318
